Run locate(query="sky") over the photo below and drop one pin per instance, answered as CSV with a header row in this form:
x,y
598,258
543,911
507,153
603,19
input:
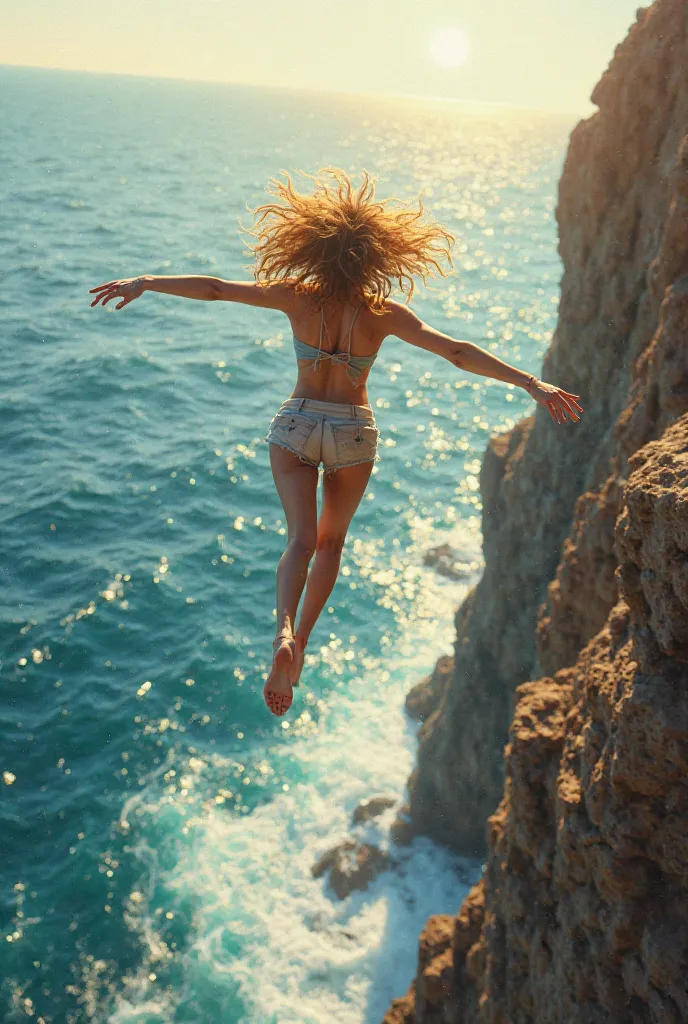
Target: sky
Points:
x,y
542,54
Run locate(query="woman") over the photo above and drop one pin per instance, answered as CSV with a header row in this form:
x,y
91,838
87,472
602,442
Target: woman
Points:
x,y
328,260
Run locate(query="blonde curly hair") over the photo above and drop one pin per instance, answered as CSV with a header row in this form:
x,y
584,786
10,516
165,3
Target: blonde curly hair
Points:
x,y
340,238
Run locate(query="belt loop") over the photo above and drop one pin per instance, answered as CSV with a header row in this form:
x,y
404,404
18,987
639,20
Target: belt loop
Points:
x,y
353,412
300,405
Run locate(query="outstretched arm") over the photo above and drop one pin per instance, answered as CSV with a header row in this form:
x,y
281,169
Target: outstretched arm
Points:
x,y
195,286
404,324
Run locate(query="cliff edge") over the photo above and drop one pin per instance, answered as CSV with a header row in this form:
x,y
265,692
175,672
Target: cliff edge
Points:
x,y
582,911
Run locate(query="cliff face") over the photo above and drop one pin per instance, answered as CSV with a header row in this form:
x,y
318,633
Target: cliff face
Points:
x,y
582,912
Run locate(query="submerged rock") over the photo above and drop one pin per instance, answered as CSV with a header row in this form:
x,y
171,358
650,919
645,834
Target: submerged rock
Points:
x,y
444,560
352,865
372,808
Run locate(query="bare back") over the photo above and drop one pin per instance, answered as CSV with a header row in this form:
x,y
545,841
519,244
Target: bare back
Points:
x,y
329,381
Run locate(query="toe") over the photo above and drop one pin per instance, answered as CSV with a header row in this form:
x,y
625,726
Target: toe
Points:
x,y
277,700
278,703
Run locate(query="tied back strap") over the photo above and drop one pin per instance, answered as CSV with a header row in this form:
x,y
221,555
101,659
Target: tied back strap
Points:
x,y
336,357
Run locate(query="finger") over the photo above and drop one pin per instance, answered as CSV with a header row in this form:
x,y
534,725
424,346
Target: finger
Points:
x,y
110,295
551,411
569,397
100,287
124,302
574,408
567,408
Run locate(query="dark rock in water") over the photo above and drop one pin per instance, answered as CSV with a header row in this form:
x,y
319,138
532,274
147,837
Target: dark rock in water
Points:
x,y
352,865
402,831
443,560
424,698
371,808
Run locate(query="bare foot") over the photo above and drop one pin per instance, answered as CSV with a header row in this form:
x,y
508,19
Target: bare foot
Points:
x,y
297,661
278,691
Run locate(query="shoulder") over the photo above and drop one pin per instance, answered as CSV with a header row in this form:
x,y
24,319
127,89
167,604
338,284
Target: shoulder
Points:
x,y
398,319
406,325
279,295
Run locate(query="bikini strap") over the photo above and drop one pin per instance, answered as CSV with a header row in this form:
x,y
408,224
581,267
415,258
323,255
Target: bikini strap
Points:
x,y
320,339
353,321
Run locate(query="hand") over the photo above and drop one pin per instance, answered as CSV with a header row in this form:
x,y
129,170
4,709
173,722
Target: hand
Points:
x,y
558,402
127,290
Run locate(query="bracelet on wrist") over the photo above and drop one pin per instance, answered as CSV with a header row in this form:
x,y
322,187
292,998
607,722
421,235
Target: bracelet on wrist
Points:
x,y
532,379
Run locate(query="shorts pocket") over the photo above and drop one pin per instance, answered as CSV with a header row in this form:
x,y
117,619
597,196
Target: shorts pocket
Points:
x,y
356,442
292,427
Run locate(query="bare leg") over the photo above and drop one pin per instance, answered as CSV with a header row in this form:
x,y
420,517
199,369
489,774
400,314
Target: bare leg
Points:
x,y
296,485
342,493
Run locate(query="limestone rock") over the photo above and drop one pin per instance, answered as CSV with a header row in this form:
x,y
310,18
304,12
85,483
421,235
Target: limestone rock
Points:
x,y
401,831
581,913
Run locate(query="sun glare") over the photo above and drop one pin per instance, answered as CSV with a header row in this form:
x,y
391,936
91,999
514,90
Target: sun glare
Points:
x,y
449,47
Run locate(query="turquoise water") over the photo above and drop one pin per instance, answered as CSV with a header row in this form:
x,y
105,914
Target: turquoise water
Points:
x,y
157,825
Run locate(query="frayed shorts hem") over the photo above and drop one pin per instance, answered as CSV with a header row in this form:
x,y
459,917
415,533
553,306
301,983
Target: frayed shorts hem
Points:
x,y
288,448
327,470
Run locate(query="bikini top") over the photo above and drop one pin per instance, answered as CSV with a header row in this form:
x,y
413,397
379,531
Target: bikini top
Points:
x,y
359,364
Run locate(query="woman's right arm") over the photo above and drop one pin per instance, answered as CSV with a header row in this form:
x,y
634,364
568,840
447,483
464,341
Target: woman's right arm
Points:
x,y
195,286
404,324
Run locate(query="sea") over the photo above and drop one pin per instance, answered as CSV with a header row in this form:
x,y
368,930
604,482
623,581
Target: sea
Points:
x,y
158,827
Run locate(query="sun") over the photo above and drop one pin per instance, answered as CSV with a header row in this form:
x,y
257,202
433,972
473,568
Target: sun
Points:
x,y
449,47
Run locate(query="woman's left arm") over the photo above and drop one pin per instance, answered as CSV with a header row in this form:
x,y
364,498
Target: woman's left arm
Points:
x,y
195,286
404,324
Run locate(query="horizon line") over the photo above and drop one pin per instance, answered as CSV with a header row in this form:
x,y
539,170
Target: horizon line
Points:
x,y
428,97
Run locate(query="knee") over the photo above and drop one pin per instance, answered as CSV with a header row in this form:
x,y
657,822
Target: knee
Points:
x,y
302,545
331,542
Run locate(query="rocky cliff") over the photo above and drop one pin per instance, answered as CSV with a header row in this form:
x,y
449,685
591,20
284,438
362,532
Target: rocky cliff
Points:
x,y
582,911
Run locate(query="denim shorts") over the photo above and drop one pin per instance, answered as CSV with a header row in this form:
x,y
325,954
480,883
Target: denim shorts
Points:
x,y
336,434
